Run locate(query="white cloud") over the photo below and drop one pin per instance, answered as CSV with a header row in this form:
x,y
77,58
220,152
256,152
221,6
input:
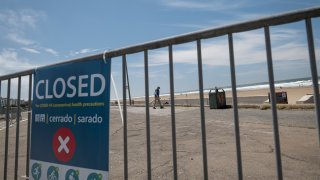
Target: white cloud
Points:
x,y
249,48
192,26
31,17
186,4
214,23
14,24
245,16
291,51
30,50
217,5
51,51
20,20
39,50
10,62
82,51
18,39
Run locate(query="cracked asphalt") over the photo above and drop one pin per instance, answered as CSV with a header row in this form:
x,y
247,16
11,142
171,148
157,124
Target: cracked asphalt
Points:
x,y
300,150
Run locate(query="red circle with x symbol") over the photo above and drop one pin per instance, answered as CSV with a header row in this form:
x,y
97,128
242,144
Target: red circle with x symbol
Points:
x,y
63,144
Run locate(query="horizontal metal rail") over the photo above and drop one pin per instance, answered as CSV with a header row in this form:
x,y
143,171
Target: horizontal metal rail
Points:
x,y
15,75
288,17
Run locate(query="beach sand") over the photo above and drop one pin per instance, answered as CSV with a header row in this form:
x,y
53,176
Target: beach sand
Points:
x,y
293,93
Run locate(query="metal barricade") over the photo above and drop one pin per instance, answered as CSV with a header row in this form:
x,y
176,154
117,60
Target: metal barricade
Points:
x,y
264,23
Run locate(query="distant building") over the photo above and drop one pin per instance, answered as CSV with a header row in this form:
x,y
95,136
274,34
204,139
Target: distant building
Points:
x,y
13,102
3,102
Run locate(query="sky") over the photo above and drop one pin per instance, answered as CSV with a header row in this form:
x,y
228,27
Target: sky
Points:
x,y
35,33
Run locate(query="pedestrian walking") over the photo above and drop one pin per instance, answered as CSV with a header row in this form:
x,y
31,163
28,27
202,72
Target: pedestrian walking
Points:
x,y
157,98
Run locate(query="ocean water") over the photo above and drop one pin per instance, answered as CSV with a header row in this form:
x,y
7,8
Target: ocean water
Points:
x,y
301,82
294,83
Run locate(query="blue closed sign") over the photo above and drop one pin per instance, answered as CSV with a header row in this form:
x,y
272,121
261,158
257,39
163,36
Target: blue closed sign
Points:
x,y
70,120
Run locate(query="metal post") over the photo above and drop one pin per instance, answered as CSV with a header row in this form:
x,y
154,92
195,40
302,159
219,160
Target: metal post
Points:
x,y
273,103
124,100
128,83
173,117
203,123
235,107
29,125
0,96
17,131
7,132
314,73
146,80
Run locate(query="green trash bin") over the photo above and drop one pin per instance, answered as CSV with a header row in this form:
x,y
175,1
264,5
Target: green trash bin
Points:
x,y
217,99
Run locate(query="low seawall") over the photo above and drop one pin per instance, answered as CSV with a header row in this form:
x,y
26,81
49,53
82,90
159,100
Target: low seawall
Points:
x,y
196,102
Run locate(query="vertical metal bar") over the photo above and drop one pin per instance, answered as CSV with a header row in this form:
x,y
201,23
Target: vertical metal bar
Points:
x,y
314,73
173,117
124,100
146,80
7,131
17,131
273,103
235,107
203,123
29,125
128,83
0,103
